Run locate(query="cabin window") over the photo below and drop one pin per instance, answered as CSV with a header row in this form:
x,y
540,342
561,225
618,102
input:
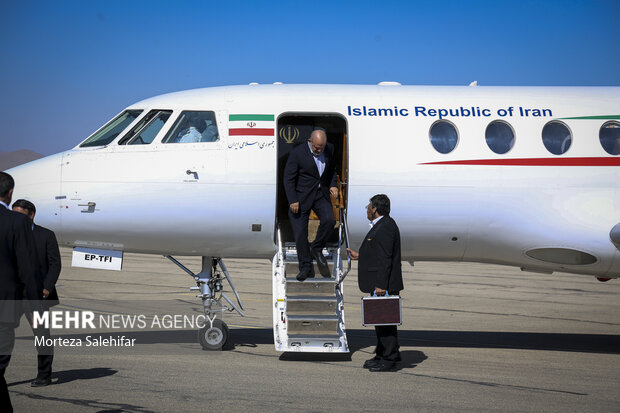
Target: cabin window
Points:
x,y
556,137
444,136
112,129
193,126
148,127
609,134
500,136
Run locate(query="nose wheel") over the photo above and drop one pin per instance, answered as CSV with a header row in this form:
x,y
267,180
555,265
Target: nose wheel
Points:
x,y
213,336
209,283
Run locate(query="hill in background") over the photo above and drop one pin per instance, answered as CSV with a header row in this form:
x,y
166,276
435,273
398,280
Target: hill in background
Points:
x,y
10,159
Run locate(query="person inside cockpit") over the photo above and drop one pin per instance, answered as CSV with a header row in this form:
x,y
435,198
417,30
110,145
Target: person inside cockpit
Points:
x,y
193,131
210,133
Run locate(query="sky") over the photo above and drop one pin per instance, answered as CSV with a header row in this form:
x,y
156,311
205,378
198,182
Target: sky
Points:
x,y
70,66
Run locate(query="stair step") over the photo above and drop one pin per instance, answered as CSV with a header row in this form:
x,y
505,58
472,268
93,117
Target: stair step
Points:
x,y
312,324
314,340
291,270
304,298
313,317
322,305
314,343
313,337
316,280
292,257
312,286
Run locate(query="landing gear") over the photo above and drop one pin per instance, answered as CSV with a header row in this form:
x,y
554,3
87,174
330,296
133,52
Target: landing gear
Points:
x,y
213,336
209,284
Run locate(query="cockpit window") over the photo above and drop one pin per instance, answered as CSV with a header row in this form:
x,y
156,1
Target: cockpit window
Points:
x,y
194,127
112,129
146,130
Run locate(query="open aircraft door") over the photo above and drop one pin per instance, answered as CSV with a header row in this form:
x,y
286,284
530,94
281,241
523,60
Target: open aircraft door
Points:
x,y
308,316
294,129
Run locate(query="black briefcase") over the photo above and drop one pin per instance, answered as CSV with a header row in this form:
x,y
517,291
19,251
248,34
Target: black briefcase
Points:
x,y
381,311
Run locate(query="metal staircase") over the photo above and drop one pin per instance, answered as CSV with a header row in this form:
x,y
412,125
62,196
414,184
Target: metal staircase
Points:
x,y
308,316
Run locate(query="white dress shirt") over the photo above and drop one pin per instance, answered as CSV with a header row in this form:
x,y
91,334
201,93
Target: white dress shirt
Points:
x,y
374,221
319,160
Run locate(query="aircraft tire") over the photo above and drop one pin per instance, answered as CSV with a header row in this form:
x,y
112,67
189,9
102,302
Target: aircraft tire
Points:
x,y
213,336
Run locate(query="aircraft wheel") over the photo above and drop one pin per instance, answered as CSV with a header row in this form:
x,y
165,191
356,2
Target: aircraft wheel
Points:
x,y
213,336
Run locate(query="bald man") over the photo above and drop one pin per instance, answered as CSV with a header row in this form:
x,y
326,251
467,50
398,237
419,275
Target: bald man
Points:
x,y
309,181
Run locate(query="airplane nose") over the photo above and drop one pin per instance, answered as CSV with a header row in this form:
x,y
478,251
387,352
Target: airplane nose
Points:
x,y
40,182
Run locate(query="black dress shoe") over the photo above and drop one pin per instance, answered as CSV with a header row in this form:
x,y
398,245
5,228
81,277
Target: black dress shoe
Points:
x,y
305,273
372,362
41,382
383,365
321,262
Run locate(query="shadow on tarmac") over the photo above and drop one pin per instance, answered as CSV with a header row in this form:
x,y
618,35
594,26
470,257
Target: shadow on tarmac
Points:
x,y
362,338
410,359
67,376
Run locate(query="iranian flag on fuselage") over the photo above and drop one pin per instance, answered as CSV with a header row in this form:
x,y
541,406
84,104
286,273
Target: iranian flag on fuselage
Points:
x,y
251,125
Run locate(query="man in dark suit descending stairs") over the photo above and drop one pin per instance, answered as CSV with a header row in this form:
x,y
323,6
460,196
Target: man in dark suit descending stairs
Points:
x,y
309,180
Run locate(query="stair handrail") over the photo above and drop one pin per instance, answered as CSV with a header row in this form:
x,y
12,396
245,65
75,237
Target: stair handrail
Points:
x,y
280,247
344,228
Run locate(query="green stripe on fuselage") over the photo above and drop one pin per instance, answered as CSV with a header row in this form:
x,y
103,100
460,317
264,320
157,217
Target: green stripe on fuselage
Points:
x,y
602,117
250,117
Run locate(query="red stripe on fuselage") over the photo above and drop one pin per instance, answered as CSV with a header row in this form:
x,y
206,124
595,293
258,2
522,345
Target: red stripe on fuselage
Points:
x,y
592,161
250,132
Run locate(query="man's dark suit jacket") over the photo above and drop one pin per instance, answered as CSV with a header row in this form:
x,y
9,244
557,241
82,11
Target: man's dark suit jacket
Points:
x,y
48,256
301,175
18,277
379,258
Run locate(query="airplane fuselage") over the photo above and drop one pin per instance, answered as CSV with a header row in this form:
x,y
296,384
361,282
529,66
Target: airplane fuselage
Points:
x,y
530,201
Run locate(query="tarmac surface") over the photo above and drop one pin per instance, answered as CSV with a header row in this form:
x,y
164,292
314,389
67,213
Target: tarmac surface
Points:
x,y
474,338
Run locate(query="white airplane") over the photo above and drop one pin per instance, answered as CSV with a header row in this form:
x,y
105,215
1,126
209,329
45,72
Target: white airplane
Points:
x,y
519,176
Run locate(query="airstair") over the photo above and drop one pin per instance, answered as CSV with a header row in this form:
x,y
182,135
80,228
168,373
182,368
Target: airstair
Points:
x,y
308,316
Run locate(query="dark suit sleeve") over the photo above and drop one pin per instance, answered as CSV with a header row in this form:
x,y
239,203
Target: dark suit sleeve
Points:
x,y
334,179
53,261
290,176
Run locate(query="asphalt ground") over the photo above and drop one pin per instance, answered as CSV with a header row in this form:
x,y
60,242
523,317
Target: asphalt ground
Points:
x,y
474,338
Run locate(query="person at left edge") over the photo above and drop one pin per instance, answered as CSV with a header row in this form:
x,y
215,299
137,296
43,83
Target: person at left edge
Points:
x,y
17,278
48,257
309,180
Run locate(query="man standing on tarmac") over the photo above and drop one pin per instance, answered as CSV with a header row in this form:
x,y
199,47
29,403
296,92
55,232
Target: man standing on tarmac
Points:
x,y
379,271
48,257
17,278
